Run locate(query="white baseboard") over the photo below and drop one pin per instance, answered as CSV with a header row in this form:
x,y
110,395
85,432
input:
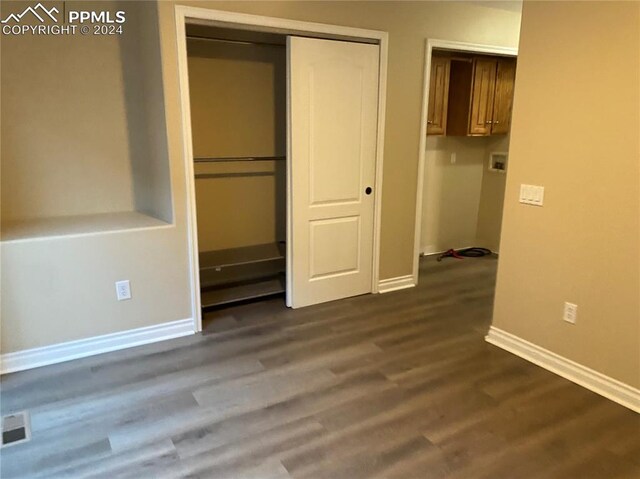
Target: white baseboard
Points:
x,y
429,250
394,284
610,388
57,353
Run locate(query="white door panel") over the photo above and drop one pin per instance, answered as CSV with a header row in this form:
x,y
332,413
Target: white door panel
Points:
x,y
333,110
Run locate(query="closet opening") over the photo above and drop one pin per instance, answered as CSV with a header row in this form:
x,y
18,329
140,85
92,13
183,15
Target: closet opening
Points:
x,y
283,124
237,85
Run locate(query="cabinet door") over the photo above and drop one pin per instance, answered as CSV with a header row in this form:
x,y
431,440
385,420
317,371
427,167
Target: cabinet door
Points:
x,y
438,96
503,103
483,90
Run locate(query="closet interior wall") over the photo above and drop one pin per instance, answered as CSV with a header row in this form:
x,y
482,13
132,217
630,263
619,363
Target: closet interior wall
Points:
x,y
238,110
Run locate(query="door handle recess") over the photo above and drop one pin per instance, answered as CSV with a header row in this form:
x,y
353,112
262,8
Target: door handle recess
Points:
x,y
368,190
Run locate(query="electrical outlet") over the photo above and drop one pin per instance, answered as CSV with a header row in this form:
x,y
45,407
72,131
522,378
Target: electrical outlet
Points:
x,y
570,313
453,158
123,290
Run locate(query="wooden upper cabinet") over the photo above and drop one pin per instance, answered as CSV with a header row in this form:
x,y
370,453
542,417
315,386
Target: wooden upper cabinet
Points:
x,y
482,96
503,103
438,96
478,95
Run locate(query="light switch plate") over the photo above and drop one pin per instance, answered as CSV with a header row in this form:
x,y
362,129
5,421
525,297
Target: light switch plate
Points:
x,y
570,313
532,195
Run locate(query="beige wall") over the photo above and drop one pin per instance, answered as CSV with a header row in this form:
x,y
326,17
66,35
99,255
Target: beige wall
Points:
x,y
409,24
63,134
238,98
576,131
462,201
77,113
238,108
451,195
83,118
141,70
63,289
491,197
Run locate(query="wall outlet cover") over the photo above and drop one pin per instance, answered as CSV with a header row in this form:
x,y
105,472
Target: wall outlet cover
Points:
x,y
123,290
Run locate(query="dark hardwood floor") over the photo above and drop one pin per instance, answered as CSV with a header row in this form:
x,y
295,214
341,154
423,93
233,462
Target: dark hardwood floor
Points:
x,y
400,385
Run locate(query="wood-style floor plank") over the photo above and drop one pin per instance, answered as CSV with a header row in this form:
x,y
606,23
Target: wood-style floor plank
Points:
x,y
393,386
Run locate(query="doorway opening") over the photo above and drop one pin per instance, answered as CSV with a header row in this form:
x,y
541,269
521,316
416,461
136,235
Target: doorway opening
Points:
x,y
468,98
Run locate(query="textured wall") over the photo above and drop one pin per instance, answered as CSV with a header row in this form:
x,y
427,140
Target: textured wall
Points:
x,y
409,24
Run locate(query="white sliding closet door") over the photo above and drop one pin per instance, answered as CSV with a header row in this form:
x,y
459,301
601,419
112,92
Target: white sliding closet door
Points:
x,y
333,111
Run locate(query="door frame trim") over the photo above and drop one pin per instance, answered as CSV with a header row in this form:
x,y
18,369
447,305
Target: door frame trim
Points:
x,y
243,21
430,44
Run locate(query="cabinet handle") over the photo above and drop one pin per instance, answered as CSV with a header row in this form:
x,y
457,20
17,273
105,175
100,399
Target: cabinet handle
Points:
x,y
496,122
488,122
429,122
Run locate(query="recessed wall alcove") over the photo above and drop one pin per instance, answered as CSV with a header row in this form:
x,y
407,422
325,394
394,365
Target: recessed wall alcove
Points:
x,y
84,136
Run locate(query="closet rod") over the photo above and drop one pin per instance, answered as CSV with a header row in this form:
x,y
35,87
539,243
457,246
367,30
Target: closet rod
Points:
x,y
239,42
238,158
